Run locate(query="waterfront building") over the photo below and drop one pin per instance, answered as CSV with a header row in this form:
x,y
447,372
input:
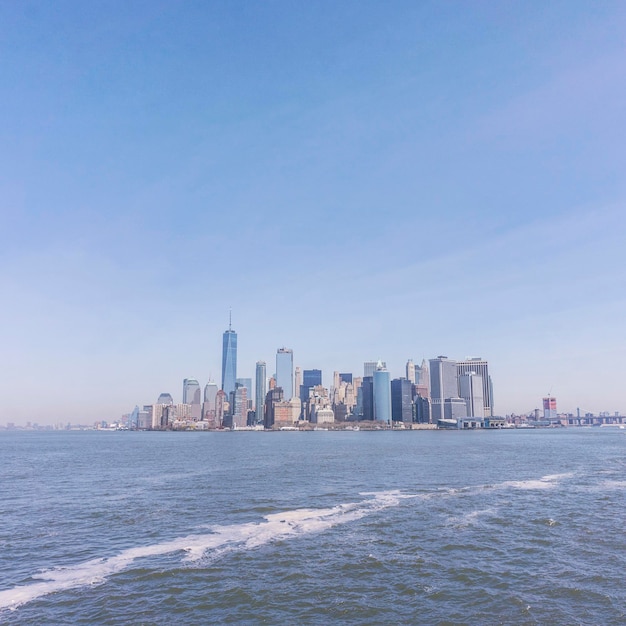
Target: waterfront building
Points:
x,y
286,412
284,372
401,400
382,394
481,368
471,390
260,390
229,360
345,377
410,371
443,384
454,409
324,415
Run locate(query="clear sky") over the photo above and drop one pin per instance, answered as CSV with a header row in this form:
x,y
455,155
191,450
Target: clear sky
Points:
x,y
357,180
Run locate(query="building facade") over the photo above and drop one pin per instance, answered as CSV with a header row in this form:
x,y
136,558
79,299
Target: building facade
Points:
x,y
401,400
260,391
471,390
229,361
443,384
284,372
382,394
310,379
481,368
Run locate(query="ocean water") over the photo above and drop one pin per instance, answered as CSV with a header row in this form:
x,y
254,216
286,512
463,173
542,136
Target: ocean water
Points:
x,y
504,527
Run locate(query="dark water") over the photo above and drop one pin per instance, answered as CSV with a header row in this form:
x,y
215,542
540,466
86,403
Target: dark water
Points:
x,y
507,527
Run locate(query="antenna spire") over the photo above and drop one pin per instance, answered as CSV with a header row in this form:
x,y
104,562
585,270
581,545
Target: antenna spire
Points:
x,y
230,318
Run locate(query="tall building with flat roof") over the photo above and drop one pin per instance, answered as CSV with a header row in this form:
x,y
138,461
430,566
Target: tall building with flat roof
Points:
x,y
471,390
240,410
443,384
310,379
401,400
247,383
454,409
366,397
481,368
208,406
260,390
284,372
382,394
229,360
191,391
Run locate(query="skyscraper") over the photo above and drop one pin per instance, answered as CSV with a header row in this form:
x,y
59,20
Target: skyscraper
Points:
x,y
443,384
260,390
410,371
366,397
240,410
208,406
229,360
471,390
191,391
284,372
382,394
310,379
549,408
192,397
481,368
298,381
401,400
247,383
369,367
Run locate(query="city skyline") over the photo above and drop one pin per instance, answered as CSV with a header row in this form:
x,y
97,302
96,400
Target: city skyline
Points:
x,y
358,182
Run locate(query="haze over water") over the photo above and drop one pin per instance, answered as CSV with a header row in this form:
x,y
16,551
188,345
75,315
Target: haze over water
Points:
x,y
515,527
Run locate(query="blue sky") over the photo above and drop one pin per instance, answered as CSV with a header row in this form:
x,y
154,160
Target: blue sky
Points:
x,y
357,180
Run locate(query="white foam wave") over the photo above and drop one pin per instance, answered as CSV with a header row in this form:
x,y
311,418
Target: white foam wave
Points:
x,y
276,526
613,484
470,518
545,482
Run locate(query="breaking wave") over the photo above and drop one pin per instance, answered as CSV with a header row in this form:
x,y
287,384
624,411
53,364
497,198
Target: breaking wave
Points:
x,y
275,527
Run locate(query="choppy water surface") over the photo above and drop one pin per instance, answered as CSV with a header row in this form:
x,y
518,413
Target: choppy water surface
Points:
x,y
507,527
